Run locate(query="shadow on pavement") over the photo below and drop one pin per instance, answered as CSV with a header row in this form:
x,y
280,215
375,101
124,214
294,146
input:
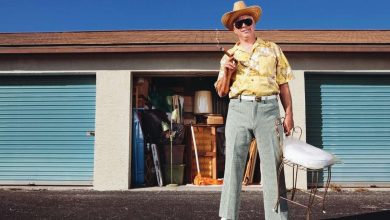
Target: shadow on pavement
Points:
x,y
367,216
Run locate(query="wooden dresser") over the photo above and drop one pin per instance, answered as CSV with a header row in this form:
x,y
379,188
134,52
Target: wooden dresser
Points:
x,y
206,141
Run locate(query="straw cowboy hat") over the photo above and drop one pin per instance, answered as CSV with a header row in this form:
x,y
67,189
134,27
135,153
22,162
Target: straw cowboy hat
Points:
x,y
240,9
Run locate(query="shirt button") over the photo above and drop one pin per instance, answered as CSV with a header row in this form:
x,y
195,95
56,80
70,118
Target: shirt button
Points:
x,y
252,80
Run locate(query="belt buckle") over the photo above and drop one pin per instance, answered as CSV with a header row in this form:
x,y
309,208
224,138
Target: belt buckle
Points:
x,y
258,98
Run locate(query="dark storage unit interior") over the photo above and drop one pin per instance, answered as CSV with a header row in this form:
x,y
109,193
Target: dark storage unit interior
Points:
x,y
151,104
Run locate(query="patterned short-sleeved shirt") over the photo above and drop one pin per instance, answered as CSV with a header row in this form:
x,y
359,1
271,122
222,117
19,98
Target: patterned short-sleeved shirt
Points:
x,y
259,72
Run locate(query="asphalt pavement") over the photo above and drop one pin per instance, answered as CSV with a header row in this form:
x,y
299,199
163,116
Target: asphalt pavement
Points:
x,y
159,203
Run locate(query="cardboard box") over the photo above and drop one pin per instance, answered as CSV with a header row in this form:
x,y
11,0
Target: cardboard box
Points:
x,y
215,119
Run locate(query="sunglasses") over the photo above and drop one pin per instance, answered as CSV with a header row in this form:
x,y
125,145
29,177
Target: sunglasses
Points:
x,y
247,22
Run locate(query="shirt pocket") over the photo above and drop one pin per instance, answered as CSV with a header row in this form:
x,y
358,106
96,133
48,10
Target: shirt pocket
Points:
x,y
267,65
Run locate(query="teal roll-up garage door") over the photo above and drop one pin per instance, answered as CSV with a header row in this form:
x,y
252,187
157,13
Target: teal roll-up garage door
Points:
x,y
349,115
43,129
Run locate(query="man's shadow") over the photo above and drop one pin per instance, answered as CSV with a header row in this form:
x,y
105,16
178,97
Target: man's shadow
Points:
x,y
367,216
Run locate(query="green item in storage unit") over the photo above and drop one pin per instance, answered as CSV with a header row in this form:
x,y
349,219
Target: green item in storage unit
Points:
x,y
177,174
160,99
177,154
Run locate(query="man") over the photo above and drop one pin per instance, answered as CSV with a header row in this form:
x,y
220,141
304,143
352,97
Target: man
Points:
x,y
254,74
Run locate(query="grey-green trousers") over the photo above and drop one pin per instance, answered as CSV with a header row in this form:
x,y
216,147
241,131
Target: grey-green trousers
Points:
x,y
247,120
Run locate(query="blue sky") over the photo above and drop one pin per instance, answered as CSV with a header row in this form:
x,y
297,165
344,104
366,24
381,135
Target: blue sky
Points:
x,y
86,15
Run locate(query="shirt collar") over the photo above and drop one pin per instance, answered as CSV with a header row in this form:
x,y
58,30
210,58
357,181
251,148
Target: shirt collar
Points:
x,y
257,43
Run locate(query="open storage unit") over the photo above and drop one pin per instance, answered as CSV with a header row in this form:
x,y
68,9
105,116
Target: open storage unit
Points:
x,y
151,98
150,101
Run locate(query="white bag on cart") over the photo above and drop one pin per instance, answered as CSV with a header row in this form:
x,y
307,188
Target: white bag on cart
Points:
x,y
306,155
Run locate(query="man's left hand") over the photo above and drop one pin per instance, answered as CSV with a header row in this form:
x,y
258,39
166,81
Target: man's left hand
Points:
x,y
288,124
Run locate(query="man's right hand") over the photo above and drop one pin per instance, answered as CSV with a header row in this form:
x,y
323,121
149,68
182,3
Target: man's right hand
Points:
x,y
230,66
223,84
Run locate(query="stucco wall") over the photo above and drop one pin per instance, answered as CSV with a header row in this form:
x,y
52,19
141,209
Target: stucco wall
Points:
x,y
113,95
113,129
297,89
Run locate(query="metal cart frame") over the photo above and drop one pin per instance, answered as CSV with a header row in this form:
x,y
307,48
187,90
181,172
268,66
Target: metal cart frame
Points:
x,y
313,193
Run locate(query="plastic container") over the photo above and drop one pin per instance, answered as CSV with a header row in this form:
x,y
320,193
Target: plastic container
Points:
x,y
138,160
177,154
177,174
